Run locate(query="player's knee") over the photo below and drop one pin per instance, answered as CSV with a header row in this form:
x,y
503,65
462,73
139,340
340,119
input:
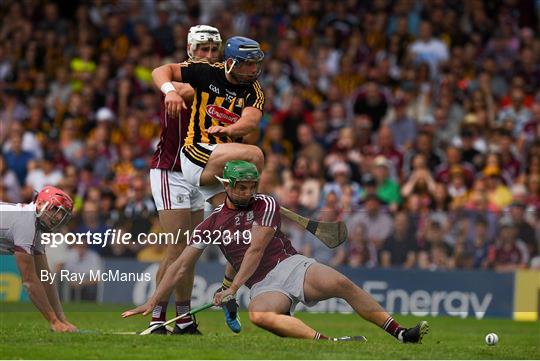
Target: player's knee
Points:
x,y
254,155
258,155
261,319
255,317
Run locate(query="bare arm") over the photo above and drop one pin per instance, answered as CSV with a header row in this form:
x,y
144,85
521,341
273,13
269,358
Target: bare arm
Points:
x,y
166,74
51,290
36,291
248,122
261,236
252,138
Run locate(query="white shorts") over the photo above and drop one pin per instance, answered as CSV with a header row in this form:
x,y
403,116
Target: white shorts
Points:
x,y
288,278
193,159
171,191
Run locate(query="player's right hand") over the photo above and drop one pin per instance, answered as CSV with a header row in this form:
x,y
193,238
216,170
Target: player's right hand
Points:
x,y
174,103
224,296
59,326
144,309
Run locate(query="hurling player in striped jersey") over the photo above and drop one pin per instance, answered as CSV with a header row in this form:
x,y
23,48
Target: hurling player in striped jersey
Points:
x,y
180,204
265,261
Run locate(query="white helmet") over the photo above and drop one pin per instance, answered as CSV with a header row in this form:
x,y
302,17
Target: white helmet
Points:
x,y
201,34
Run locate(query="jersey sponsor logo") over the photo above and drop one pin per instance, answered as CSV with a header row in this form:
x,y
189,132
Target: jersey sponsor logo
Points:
x,y
214,88
221,114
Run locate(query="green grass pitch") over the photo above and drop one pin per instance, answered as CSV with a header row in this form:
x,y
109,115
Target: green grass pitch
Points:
x,y
24,334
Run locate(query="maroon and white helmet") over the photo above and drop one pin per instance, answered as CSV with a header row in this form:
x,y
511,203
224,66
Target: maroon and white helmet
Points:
x,y
53,208
201,34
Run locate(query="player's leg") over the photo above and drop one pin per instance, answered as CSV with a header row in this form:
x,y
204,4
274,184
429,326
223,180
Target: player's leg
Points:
x,y
269,310
226,152
173,198
173,221
184,288
322,282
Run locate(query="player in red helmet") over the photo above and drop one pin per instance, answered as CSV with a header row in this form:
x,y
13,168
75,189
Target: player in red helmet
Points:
x,y
21,226
53,208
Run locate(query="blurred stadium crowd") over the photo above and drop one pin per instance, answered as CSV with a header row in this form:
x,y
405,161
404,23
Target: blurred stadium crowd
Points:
x,y
416,122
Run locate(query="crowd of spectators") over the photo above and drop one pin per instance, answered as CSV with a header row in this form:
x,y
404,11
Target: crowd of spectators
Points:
x,y
415,122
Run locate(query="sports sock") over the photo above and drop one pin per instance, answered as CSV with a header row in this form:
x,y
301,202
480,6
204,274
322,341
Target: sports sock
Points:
x,y
227,282
320,336
181,308
393,328
159,313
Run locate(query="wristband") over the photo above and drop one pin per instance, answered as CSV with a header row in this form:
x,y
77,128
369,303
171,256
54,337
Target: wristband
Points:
x,y
167,87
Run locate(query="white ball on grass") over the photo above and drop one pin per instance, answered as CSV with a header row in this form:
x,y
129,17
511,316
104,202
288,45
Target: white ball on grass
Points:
x,y
492,339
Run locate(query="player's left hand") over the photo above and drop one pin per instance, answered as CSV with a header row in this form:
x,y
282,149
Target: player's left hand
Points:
x,y
144,309
223,295
218,130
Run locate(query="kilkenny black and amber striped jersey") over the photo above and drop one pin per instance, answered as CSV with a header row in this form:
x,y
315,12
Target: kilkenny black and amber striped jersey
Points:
x,y
216,100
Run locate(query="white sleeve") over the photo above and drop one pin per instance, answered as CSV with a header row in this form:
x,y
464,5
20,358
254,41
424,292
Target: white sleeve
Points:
x,y
24,233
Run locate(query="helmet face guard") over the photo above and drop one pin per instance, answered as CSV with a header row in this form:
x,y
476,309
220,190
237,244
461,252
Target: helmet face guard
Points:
x,y
240,202
239,171
237,70
52,217
247,57
199,35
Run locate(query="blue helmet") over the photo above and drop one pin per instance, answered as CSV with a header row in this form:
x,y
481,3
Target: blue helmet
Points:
x,y
243,50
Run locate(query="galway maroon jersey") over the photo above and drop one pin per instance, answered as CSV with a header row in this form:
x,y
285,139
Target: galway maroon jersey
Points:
x,y
173,133
230,230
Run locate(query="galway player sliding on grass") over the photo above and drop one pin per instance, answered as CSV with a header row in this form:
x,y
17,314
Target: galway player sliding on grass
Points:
x,y
278,277
20,230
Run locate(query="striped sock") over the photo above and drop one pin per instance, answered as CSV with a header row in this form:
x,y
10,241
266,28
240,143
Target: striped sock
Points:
x,y
227,282
392,327
181,308
159,313
320,336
